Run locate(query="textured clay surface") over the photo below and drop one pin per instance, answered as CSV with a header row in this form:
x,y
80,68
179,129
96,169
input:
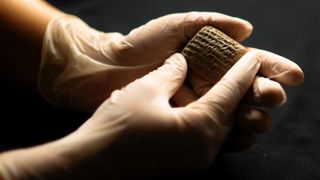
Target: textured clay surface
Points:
x,y
211,53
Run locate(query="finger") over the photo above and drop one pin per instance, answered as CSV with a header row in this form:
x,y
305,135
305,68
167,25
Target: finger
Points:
x,y
167,79
171,33
278,68
253,120
265,92
220,101
184,96
192,22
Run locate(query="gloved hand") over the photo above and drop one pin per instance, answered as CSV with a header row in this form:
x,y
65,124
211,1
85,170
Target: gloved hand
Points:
x,y
266,91
81,66
137,133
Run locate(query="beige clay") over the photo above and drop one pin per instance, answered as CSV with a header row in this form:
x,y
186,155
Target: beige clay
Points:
x,y
211,53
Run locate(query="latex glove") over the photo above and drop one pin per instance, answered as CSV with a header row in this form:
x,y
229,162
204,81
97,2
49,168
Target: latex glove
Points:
x,y
157,139
136,133
81,66
266,91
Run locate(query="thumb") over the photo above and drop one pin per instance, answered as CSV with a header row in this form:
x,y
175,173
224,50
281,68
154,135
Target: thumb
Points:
x,y
167,79
221,100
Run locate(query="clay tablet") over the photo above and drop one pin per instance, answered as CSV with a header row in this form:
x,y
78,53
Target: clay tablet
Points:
x,y
211,53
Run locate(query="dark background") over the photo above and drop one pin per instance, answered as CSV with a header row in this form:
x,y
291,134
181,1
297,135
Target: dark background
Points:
x,y
290,150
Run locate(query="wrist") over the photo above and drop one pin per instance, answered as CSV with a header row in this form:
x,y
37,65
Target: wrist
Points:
x,y
30,163
3,170
80,155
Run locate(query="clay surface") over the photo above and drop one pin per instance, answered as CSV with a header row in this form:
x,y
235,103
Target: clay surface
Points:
x,y
211,53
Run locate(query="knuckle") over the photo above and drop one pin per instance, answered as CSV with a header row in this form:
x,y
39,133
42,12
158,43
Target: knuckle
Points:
x,y
259,55
116,96
194,14
231,89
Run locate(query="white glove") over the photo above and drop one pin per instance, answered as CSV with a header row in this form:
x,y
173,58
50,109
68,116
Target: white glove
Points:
x,y
153,138
137,133
81,66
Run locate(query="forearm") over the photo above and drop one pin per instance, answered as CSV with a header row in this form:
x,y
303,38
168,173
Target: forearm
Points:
x,y
31,163
27,17
23,24
2,175
73,157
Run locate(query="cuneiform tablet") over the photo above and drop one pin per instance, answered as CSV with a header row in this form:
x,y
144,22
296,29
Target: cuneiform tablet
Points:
x,y
211,53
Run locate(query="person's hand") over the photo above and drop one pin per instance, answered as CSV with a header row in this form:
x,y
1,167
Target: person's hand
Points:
x,y
137,133
160,138
82,66
265,92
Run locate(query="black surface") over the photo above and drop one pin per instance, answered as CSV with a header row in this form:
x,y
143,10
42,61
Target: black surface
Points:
x,y
290,28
